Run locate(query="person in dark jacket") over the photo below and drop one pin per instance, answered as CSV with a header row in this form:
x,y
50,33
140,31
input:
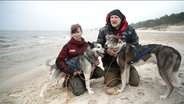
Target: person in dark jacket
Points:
x,y
76,46
116,24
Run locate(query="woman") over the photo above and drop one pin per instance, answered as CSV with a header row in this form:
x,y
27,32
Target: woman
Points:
x,y
76,46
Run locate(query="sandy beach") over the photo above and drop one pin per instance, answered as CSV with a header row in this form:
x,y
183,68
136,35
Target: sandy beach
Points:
x,y
24,87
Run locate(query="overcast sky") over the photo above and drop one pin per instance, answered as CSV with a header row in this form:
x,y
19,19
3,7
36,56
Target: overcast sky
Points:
x,y
60,15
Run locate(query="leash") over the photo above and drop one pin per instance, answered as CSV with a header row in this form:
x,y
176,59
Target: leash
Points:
x,y
108,92
66,89
105,86
90,75
66,83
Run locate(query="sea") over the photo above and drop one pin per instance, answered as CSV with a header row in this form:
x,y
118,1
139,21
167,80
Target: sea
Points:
x,y
21,51
21,39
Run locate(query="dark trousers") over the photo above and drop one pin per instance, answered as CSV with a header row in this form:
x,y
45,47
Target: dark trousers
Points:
x,y
114,72
77,85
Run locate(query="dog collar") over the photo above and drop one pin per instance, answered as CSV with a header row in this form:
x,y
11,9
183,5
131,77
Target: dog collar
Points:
x,y
90,59
122,48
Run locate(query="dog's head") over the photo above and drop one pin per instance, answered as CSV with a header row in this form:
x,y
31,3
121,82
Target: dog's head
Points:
x,y
113,41
96,48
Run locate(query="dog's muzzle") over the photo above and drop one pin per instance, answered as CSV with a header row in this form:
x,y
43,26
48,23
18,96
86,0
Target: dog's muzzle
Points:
x,y
105,46
100,54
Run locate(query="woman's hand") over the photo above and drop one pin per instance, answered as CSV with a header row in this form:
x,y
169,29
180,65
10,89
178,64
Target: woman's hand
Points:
x,y
97,62
75,73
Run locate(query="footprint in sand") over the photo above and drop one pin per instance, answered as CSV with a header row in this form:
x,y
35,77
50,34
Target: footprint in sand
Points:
x,y
92,101
15,94
140,92
181,102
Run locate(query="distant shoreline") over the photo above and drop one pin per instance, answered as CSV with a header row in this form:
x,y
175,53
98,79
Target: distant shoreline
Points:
x,y
169,28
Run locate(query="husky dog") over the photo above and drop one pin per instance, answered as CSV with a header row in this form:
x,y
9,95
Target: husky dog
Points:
x,y
168,61
85,62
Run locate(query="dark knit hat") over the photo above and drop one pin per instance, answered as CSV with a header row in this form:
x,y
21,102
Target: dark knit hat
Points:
x,y
118,13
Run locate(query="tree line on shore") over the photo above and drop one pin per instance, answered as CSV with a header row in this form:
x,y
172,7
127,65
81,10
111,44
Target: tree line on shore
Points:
x,y
172,19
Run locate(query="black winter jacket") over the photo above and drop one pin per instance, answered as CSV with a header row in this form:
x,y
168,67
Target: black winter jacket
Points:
x,y
129,35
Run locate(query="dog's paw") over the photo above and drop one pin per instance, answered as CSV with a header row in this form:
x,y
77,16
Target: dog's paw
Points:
x,y
91,92
41,95
162,97
120,91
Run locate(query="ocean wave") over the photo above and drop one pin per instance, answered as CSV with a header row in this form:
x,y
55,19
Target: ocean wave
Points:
x,y
2,41
16,40
4,46
39,37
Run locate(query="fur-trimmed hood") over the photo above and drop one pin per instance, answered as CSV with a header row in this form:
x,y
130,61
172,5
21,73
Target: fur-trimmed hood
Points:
x,y
124,23
115,12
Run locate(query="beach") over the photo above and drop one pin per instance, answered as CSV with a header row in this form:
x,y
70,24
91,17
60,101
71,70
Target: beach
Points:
x,y
23,72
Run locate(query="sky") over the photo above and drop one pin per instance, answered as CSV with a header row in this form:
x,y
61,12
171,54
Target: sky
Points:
x,y
60,15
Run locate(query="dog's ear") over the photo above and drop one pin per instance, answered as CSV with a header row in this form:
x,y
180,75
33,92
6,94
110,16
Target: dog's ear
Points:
x,y
107,36
91,44
123,38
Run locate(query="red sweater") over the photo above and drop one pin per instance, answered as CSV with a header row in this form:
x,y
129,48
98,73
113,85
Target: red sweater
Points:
x,y
71,49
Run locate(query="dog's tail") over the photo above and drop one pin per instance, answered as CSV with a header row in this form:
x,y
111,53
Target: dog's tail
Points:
x,y
47,64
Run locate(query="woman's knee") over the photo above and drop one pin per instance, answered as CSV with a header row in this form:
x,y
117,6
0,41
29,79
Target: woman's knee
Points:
x,y
77,86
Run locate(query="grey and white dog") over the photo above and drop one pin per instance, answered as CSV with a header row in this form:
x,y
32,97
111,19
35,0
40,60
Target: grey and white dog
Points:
x,y
168,61
85,62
